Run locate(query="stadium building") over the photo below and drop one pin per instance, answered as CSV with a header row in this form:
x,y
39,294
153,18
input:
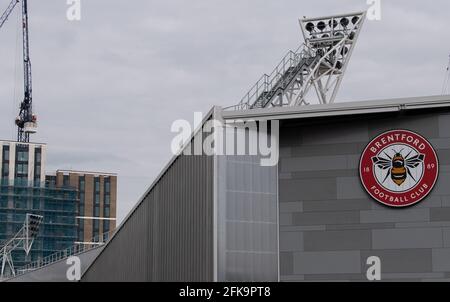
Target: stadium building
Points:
x,y
310,217
277,189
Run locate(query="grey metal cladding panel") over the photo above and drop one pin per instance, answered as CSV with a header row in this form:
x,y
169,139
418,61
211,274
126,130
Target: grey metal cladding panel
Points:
x,y
336,205
291,241
322,174
406,215
401,261
442,187
290,137
350,188
338,240
441,260
324,150
309,189
169,236
125,257
444,125
407,238
184,246
426,125
342,262
325,218
335,133
440,214
286,263
444,156
314,163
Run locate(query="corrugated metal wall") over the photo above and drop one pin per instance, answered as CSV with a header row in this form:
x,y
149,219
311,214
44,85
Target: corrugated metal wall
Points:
x,y
169,237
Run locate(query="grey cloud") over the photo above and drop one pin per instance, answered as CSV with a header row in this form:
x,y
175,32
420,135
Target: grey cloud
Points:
x,y
115,81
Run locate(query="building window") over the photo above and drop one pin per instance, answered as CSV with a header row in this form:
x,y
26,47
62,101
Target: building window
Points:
x,y
5,162
22,169
107,204
107,200
96,228
37,174
22,155
107,186
36,204
81,209
106,226
66,181
5,167
96,197
50,181
37,155
82,184
3,202
106,212
81,233
21,163
97,184
96,211
5,153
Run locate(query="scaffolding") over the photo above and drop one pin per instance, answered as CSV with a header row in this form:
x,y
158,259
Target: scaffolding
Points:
x,y
57,205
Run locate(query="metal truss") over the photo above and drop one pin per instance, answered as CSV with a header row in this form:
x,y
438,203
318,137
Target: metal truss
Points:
x,y
23,239
319,63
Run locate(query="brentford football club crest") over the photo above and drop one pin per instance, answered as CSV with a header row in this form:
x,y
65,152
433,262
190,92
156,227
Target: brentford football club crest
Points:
x,y
399,168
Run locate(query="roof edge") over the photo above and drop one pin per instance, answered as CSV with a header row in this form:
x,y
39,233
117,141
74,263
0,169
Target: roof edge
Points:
x,y
150,188
342,108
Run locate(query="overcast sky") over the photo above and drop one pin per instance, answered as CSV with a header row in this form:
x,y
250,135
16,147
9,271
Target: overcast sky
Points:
x,y
107,88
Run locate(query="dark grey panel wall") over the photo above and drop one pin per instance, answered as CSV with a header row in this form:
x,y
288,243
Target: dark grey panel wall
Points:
x,y
328,224
169,235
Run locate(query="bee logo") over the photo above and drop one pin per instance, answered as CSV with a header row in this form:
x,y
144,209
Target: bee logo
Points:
x,y
398,167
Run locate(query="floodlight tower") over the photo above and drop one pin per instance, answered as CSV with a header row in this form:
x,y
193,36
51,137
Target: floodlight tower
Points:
x,y
331,41
319,63
23,239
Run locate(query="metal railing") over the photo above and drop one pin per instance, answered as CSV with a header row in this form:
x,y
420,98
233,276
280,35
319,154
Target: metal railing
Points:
x,y
268,82
74,250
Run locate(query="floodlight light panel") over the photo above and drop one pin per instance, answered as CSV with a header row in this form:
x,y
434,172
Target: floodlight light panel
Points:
x,y
33,224
345,23
360,13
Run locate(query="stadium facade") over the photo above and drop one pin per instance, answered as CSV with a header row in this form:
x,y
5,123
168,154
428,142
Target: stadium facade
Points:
x,y
311,216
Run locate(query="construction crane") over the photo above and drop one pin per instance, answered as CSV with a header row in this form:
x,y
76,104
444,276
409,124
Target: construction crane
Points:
x,y
446,85
318,64
26,121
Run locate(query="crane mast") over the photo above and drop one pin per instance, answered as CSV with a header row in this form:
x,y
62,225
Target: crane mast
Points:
x,y
26,121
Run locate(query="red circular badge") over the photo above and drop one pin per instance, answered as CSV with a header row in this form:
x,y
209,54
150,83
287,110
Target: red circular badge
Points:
x,y
399,168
